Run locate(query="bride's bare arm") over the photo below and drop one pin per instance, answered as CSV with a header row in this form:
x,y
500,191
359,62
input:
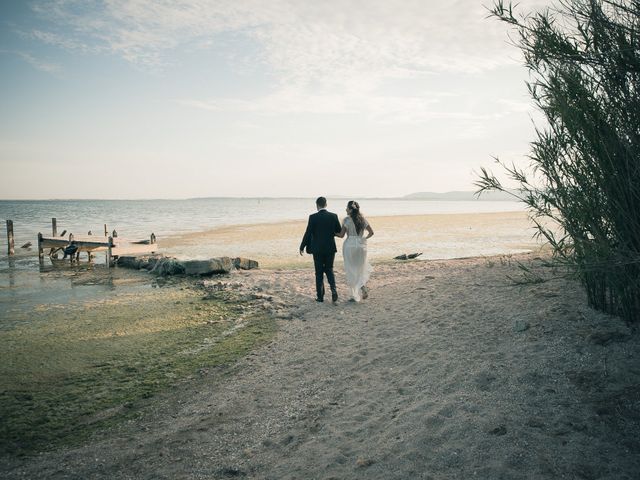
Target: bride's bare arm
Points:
x,y
369,231
342,232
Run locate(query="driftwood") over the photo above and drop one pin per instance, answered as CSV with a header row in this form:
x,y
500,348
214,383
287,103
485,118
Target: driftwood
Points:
x,y
26,245
410,256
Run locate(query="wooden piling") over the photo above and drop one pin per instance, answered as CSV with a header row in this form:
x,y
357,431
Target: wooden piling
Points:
x,y
109,257
54,227
106,233
40,249
10,242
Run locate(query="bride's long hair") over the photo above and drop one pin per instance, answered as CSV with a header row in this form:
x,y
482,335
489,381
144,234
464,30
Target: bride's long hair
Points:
x,y
356,216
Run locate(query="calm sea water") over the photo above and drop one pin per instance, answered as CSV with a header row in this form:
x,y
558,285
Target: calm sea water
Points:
x,y
25,283
138,218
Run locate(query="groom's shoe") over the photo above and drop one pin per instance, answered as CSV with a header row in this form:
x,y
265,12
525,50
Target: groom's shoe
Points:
x,y
334,297
319,299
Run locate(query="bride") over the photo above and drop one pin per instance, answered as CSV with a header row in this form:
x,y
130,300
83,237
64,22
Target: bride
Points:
x,y
354,251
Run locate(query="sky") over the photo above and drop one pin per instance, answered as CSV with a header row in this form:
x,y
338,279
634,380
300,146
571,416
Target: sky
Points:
x,y
278,98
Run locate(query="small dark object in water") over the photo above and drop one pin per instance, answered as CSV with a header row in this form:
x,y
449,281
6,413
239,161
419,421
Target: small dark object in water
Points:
x,y
26,245
401,257
89,233
63,232
114,234
414,255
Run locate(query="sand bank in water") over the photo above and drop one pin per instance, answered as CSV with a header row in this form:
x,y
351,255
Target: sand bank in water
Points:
x,y
437,236
448,371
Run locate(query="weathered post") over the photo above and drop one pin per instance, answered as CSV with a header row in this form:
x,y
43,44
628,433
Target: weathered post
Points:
x,y
106,233
10,244
109,252
54,227
40,249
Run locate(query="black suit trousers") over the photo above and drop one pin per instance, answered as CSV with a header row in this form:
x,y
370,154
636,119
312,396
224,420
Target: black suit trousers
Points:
x,y
323,263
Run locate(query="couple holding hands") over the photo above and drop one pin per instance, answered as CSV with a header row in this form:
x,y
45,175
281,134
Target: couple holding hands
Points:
x,y
319,240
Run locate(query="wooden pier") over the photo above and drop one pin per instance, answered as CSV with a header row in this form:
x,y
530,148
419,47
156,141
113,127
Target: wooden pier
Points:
x,y
113,246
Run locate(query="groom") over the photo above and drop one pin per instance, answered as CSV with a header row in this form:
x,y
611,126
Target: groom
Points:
x,y
319,239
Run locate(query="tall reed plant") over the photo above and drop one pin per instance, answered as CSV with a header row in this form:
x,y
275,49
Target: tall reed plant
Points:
x,y
584,62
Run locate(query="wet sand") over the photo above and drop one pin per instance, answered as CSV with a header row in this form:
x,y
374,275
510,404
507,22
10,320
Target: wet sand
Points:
x,y
447,371
436,236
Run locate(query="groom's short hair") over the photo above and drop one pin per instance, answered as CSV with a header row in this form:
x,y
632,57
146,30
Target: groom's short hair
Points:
x,y
321,202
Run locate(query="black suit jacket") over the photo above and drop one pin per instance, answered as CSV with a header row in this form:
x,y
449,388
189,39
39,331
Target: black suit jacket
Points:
x,y
320,234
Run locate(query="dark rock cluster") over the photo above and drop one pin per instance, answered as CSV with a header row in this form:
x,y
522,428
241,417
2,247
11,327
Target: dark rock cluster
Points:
x,y
162,265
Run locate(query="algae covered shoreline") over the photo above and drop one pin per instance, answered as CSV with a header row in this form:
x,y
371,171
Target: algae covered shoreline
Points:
x,y
111,341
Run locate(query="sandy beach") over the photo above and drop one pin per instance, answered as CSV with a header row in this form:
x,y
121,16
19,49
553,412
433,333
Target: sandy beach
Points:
x,y
437,236
449,370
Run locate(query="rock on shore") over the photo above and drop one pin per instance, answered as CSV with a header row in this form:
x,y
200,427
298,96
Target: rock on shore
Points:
x,y
208,267
161,265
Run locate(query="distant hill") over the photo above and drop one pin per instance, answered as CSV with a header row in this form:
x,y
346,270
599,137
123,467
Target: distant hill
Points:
x,y
459,195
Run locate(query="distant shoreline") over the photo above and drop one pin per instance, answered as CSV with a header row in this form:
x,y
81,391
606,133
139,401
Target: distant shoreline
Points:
x,y
453,196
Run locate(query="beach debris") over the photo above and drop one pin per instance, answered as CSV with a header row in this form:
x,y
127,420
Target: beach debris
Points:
x,y
364,462
409,256
244,263
89,232
208,267
63,233
26,245
114,234
231,472
499,431
218,286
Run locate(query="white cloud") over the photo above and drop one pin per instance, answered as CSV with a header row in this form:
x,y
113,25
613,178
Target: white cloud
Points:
x,y
41,64
336,42
35,62
326,57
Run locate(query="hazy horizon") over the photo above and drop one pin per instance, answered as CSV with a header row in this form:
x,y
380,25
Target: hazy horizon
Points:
x,y
409,196
195,99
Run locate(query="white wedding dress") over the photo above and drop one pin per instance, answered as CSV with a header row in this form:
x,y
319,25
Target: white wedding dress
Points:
x,y
354,253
